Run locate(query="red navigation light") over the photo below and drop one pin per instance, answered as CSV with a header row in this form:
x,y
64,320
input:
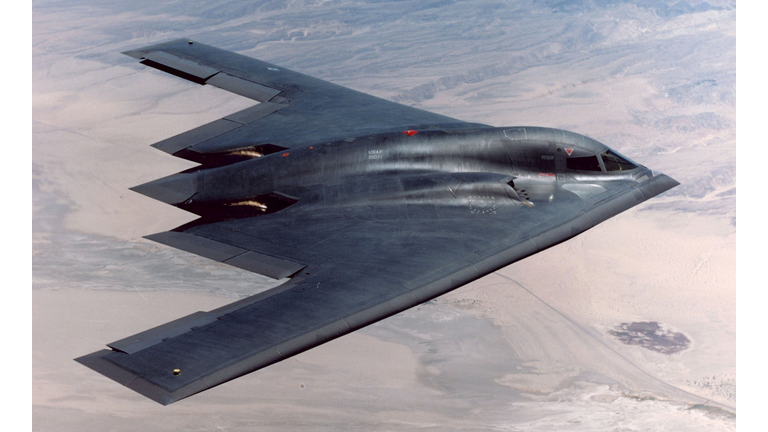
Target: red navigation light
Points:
x,y
410,132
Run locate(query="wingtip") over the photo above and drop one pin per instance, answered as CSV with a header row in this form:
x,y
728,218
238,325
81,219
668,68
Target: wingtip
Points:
x,y
97,362
137,53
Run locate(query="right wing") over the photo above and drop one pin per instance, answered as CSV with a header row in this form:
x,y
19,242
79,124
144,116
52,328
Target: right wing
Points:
x,y
295,109
349,267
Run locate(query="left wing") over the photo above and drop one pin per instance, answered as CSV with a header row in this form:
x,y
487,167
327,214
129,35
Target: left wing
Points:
x,y
295,109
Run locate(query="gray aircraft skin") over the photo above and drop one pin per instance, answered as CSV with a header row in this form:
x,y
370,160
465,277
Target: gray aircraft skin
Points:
x,y
368,206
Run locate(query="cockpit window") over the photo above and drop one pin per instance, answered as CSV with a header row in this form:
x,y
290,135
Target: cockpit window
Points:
x,y
614,162
587,163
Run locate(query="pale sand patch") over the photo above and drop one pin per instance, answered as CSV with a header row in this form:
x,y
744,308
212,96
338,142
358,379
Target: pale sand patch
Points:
x,y
677,269
544,379
68,396
103,148
604,408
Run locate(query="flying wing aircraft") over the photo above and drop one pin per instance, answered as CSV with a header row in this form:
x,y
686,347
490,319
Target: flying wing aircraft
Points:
x,y
369,207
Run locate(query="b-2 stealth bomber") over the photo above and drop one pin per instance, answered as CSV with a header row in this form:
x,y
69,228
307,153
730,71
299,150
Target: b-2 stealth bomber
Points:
x,y
366,207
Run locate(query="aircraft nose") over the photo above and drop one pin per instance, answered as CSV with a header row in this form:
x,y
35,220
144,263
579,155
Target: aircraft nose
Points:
x,y
174,189
655,183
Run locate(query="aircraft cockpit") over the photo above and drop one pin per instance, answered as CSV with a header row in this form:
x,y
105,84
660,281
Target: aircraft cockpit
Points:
x,y
608,161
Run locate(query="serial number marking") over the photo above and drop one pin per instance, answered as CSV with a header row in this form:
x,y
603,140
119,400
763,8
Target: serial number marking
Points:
x,y
375,154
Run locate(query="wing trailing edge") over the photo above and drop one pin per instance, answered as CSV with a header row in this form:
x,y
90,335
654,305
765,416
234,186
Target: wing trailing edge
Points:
x,y
203,69
177,143
266,265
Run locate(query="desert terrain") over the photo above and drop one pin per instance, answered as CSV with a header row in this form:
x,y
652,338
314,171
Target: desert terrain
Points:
x,y
630,326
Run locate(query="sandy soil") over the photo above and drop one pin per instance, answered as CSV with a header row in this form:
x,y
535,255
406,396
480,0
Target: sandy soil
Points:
x,y
598,289
526,348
